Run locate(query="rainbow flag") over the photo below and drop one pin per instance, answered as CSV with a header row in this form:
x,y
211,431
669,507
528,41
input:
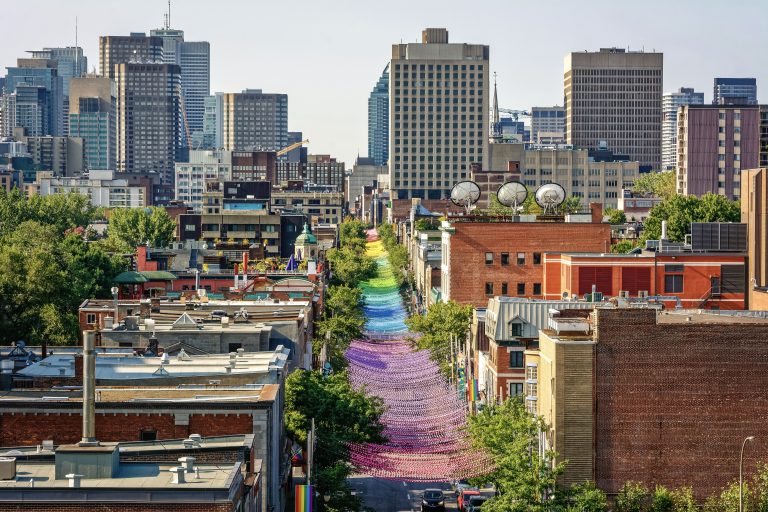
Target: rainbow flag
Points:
x,y
474,392
304,498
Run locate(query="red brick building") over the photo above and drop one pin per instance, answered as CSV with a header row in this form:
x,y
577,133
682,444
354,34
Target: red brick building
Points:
x,y
657,397
488,256
699,280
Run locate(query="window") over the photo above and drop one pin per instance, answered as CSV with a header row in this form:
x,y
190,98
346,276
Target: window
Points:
x,y
537,288
90,318
532,372
515,389
516,359
148,435
521,258
489,288
517,329
537,258
673,283
505,258
504,289
521,288
489,258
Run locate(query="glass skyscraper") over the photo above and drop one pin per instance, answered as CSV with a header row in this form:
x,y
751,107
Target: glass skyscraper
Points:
x,y
378,120
92,117
735,91
39,103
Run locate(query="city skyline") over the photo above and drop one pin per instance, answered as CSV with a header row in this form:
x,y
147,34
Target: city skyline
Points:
x,y
327,70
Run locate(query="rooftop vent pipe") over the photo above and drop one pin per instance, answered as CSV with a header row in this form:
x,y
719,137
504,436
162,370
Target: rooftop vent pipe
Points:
x,y
89,390
74,480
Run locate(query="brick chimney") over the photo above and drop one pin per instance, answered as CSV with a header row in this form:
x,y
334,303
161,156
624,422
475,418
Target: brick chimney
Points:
x,y
597,212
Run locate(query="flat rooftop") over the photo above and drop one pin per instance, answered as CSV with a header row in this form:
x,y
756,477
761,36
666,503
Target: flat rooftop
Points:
x,y
130,476
186,394
706,316
130,367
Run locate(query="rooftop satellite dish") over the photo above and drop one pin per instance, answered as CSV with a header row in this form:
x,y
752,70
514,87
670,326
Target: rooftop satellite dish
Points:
x,y
512,194
465,193
550,196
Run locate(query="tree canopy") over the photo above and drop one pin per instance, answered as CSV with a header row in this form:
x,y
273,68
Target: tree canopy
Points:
x,y
680,211
441,321
661,184
615,216
62,211
342,322
131,227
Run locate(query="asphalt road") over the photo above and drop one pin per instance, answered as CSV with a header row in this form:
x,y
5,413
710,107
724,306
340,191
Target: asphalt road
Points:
x,y
395,496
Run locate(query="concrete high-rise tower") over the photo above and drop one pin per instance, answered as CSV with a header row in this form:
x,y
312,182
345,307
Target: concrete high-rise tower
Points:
x,y
438,114
670,104
378,120
148,124
135,48
615,96
254,121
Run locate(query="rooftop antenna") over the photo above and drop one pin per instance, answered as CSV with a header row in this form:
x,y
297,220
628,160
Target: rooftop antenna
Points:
x,y
77,63
465,194
512,194
168,22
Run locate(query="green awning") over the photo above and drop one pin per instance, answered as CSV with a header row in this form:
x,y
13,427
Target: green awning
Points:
x,y
157,275
130,277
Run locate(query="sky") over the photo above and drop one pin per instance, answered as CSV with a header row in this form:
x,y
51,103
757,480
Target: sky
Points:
x,y
328,54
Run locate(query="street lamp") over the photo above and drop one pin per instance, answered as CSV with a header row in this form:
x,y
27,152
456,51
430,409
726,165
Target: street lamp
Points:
x,y
741,470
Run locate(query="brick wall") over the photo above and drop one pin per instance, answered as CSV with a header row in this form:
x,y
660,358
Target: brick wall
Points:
x,y
471,240
675,401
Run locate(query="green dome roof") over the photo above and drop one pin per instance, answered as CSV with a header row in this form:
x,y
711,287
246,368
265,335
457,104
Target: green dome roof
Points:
x,y
306,237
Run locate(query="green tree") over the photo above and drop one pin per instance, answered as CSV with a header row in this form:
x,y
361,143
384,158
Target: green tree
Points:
x,y
350,266
661,184
343,415
633,497
587,497
62,211
663,500
508,435
615,216
623,246
131,227
680,211
684,500
442,320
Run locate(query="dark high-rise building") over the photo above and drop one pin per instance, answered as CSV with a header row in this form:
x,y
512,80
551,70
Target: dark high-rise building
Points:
x,y
92,118
135,48
39,105
378,120
70,63
298,154
735,91
614,96
148,123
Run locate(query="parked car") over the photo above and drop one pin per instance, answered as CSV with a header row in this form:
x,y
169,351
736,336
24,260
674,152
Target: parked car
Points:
x,y
433,500
460,485
463,499
476,503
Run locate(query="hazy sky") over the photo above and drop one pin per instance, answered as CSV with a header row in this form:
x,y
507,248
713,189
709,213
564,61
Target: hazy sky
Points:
x,y
327,55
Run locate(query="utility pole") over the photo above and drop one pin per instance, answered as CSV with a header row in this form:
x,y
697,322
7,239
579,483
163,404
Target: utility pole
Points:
x,y
310,451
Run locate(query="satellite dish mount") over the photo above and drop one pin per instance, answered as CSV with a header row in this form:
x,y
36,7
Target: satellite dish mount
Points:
x,y
549,197
465,194
512,194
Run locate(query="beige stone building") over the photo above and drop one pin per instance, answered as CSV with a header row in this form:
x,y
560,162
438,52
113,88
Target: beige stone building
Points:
x,y
754,213
438,114
615,96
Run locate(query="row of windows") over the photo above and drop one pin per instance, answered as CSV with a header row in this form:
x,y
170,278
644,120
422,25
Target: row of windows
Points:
x,y
505,288
521,258
439,67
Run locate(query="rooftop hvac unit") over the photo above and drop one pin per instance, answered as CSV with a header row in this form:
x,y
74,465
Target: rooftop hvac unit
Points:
x,y
7,468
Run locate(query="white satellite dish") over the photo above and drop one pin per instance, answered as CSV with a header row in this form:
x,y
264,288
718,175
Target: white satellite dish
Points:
x,y
465,194
550,196
512,194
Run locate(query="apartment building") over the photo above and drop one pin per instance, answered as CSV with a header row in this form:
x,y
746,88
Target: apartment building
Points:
x,y
671,102
203,166
99,185
714,143
438,113
615,96
254,120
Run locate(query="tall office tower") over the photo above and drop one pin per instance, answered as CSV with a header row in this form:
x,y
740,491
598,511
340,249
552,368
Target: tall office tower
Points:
x,y
438,114
735,91
39,105
615,96
70,63
135,48
253,120
148,123
714,143
547,125
92,117
671,101
378,120
195,61
297,154
212,121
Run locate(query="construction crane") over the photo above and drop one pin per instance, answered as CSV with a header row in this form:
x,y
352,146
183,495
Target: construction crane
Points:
x,y
293,146
184,116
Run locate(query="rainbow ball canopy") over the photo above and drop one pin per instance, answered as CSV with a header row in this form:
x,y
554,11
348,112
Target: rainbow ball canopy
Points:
x,y
424,419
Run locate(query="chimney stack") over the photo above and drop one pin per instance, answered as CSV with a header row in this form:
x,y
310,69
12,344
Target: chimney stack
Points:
x,y
89,390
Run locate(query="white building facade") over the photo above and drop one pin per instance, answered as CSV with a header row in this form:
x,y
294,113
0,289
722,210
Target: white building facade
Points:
x,y
203,165
670,103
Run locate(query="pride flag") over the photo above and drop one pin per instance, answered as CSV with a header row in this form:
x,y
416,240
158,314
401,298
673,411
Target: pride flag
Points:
x,y
474,392
303,498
